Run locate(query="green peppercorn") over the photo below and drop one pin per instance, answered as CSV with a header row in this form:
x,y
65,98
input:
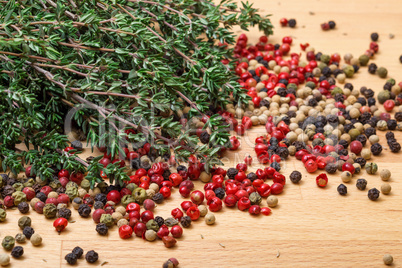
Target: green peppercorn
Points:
x,y
3,215
132,186
382,72
107,219
170,222
325,58
152,225
1,179
8,242
85,184
29,183
55,184
50,211
363,60
18,186
127,199
371,168
139,195
72,192
349,71
71,184
19,197
255,198
353,133
20,238
24,221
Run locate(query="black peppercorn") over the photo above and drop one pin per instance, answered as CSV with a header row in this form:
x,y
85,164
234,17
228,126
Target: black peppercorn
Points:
x,y
220,193
371,101
400,59
166,174
361,161
91,256
392,124
231,173
158,198
28,231
252,176
98,205
369,93
276,166
78,251
71,258
181,168
372,68
373,194
331,168
185,221
361,184
265,103
394,146
342,189
376,149
84,210
344,144
23,207
17,252
102,229
159,220
350,86
332,24
370,131
101,198
41,196
295,176
204,137
64,213
299,145
374,37
292,23
390,135
398,116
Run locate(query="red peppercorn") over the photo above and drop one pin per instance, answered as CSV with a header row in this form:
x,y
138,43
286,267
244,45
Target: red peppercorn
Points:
x,y
146,216
283,22
134,214
114,196
184,191
125,231
389,105
46,190
356,147
193,213
163,231
265,211
244,203
261,174
348,167
133,207
60,224
311,166
96,215
214,204
176,231
254,210
64,173
105,161
140,229
165,191
197,197
176,179
264,190
177,213
287,40
30,193
276,188
279,178
230,200
322,180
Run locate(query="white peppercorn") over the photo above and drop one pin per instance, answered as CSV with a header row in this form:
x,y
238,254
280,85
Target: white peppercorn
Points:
x,y
210,219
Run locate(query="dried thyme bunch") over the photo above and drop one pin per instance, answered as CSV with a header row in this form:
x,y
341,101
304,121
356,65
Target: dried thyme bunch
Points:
x,y
128,68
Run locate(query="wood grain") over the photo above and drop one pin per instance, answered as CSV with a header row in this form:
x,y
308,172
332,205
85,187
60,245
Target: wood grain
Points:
x,y
311,227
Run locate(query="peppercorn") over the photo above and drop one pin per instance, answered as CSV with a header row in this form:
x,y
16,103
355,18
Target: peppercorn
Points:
x,y
28,231
102,229
231,173
20,238
171,263
204,137
159,220
158,198
210,218
296,176
331,24
346,176
255,198
361,184
76,145
386,188
140,195
382,72
8,242
371,168
292,23
394,146
77,202
272,201
78,252
376,149
374,37
251,176
363,60
373,194
331,168
107,219
64,213
17,252
392,124
220,193
170,222
385,174
169,241
3,215
71,258
84,210
23,207
185,221
388,259
91,256
152,225
150,235
342,189
372,68
36,240
24,221
50,211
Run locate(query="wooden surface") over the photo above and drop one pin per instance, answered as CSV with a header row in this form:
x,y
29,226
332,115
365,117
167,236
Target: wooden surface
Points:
x,y
311,227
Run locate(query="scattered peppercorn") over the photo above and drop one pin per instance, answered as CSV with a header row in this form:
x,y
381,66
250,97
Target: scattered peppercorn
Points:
x,y
374,37
28,231
342,189
50,211
382,72
295,176
158,198
24,221
210,219
8,242
4,259
91,256
373,194
36,240
331,168
17,252
84,210
23,207
185,221
386,188
272,201
71,258
371,168
332,24
102,229
78,251
376,149
388,259
20,238
171,263
64,213
385,174
292,23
